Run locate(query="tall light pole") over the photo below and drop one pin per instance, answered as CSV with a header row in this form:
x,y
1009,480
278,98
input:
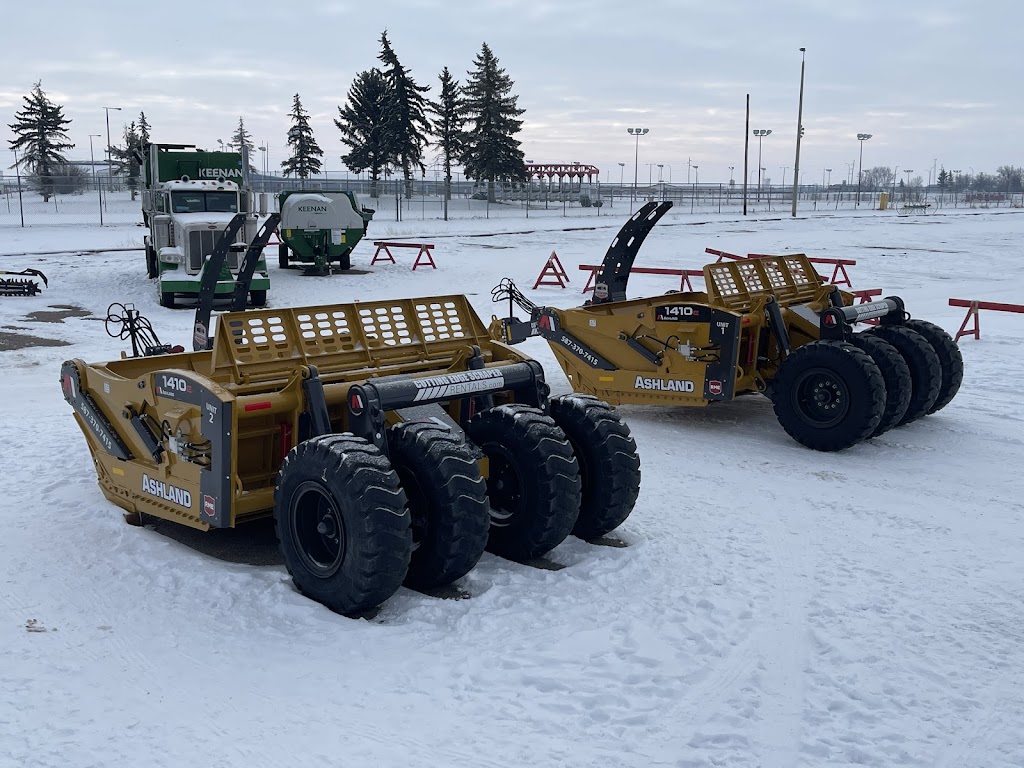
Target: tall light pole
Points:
x,y
731,168
906,189
784,169
799,131
861,137
696,174
622,170
17,173
638,132
760,133
92,159
107,110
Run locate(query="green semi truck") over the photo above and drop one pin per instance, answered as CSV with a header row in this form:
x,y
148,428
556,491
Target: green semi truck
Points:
x,y
190,197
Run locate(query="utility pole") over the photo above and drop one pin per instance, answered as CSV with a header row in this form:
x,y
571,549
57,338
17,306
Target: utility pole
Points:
x,y
799,131
746,153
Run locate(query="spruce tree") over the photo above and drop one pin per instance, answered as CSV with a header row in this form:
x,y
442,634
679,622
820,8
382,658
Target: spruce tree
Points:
x,y
242,138
127,159
143,129
409,123
491,150
306,154
449,117
40,133
364,123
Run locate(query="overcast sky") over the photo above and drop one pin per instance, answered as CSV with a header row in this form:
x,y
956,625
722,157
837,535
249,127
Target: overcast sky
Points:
x,y
935,81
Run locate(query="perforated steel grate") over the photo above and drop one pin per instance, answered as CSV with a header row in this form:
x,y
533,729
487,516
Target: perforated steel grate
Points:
x,y
385,326
440,321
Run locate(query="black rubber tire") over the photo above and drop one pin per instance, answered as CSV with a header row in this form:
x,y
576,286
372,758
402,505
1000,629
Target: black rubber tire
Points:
x,y
895,374
447,500
282,256
356,491
258,298
533,483
152,268
345,260
167,299
609,464
950,359
925,369
845,379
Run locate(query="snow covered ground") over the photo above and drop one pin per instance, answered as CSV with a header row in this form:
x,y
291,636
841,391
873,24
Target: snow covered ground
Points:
x,y
774,606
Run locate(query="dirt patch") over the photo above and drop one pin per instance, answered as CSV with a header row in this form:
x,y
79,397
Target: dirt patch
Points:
x,y
61,313
10,341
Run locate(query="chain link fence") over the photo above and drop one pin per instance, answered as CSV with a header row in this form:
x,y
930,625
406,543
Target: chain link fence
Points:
x,y
109,201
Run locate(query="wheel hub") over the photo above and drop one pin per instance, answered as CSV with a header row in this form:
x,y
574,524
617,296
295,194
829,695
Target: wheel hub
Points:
x,y
821,398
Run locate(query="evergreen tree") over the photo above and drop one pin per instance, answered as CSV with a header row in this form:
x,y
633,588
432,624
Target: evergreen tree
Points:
x,y
943,178
491,150
127,159
449,117
143,129
306,154
242,138
409,123
364,123
40,133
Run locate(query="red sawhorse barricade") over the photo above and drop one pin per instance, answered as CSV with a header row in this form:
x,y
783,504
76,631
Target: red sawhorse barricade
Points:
x,y
423,257
684,275
553,273
839,275
972,311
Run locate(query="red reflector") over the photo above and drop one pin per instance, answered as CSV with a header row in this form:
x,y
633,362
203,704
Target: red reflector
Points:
x,y
257,406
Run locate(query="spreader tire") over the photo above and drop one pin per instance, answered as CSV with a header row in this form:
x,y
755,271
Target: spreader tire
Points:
x,y
949,358
345,260
282,256
609,465
258,298
925,369
167,299
447,502
829,395
895,374
533,482
342,522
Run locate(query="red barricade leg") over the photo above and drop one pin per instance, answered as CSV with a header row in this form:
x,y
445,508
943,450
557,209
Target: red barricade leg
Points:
x,y
423,259
377,257
976,329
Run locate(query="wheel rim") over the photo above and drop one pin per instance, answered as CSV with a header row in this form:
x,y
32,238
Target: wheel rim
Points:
x,y
821,398
318,530
504,485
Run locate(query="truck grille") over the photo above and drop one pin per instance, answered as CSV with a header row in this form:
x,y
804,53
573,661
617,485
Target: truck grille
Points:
x,y
200,245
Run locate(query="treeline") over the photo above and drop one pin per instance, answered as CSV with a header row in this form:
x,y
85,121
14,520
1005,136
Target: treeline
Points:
x,y
388,123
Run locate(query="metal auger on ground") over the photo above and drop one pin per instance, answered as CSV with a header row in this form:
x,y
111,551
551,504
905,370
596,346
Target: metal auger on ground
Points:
x,y
15,287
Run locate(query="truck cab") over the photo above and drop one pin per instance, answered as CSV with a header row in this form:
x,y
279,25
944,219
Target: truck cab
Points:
x,y
186,217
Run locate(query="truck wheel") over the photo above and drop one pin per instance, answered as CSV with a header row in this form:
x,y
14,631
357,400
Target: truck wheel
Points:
x,y
925,369
447,502
533,482
609,465
342,522
895,374
258,298
828,395
950,360
152,268
282,256
167,299
345,260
